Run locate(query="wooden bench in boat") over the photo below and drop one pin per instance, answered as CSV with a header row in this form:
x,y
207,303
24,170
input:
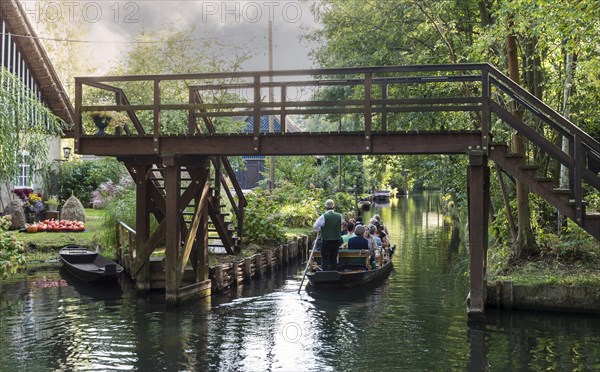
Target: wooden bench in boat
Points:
x,y
349,256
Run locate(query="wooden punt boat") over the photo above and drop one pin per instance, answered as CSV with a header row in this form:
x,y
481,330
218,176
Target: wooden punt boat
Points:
x,y
89,266
353,271
381,196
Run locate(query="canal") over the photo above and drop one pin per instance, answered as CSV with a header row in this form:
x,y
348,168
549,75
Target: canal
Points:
x,y
415,321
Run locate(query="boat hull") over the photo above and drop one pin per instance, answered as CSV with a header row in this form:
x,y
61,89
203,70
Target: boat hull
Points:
x,y
89,266
348,279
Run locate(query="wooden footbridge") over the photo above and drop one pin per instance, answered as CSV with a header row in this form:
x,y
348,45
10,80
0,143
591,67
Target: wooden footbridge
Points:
x,y
180,129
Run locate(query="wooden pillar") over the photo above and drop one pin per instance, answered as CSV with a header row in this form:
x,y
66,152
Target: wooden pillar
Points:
x,y
173,230
202,248
477,344
142,224
479,181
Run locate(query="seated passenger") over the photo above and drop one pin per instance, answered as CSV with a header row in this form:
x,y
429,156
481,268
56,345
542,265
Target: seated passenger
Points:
x,y
382,235
358,241
344,229
374,243
374,239
350,233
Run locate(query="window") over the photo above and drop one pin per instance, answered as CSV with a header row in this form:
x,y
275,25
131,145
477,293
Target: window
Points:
x,y
23,172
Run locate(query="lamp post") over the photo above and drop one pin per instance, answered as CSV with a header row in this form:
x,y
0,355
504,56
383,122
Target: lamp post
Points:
x,y
66,153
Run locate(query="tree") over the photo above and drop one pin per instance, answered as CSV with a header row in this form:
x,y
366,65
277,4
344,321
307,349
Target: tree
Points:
x,y
541,35
524,244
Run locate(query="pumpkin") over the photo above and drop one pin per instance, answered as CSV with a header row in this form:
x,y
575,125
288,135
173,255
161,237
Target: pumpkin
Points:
x,y
32,228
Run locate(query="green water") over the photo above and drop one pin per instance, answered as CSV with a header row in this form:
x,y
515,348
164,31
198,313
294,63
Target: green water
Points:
x,y
415,321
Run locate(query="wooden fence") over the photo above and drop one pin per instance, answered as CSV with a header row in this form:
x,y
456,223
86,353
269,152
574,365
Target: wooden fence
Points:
x,y
225,275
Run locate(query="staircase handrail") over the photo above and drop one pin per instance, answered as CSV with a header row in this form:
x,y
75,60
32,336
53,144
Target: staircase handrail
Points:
x,y
577,137
523,94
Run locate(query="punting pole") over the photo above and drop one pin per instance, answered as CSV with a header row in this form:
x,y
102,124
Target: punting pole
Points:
x,y
308,262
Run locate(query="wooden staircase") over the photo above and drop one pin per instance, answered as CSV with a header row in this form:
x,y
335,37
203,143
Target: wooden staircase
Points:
x,y
562,199
583,151
222,234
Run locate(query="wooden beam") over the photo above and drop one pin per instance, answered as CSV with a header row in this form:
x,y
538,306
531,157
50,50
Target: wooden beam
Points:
x,y
173,230
142,227
202,270
193,231
478,193
450,142
149,247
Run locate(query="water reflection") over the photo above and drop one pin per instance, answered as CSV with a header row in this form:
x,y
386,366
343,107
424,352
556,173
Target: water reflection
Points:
x,y
415,320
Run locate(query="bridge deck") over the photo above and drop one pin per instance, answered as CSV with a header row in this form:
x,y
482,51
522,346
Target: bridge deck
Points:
x,y
458,142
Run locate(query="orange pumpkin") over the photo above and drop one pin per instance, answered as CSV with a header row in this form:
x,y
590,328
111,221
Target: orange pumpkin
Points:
x,y
32,228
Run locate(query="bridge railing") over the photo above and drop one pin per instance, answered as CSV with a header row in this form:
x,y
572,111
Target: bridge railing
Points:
x,y
153,102
380,99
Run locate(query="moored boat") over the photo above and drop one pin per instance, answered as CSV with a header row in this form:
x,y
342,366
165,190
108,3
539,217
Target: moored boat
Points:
x,y
382,196
354,270
364,205
89,266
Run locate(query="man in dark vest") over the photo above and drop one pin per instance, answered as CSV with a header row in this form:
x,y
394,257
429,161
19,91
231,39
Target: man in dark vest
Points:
x,y
329,223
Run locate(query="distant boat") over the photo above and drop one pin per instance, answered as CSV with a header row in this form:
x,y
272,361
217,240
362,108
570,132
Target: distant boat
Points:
x,y
364,205
381,196
89,266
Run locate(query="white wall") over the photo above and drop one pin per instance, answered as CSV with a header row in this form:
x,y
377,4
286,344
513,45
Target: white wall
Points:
x,y
54,153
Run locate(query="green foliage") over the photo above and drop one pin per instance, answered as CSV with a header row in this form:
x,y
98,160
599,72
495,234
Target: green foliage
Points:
x,y
289,206
26,125
121,208
80,178
12,251
344,203
262,221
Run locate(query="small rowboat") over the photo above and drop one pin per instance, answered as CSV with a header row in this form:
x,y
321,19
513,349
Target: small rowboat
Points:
x,y
354,270
89,266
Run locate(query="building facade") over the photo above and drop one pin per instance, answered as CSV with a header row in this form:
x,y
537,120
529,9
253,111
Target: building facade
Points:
x,y
22,55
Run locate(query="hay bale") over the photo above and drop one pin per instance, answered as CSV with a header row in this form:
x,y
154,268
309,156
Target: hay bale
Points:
x,y
73,210
15,210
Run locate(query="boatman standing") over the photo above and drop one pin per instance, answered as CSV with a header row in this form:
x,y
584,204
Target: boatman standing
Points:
x,y
329,224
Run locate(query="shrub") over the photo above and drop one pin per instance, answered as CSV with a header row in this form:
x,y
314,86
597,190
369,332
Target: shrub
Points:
x,y
12,251
109,190
300,214
262,220
118,209
81,178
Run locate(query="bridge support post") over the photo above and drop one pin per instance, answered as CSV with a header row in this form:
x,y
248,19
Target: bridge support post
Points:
x,y
173,229
478,185
142,224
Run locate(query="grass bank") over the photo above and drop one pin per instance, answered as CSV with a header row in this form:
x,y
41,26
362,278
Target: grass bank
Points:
x,y
43,245
568,262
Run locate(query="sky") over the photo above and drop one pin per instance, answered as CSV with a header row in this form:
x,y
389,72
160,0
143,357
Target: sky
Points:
x,y
111,25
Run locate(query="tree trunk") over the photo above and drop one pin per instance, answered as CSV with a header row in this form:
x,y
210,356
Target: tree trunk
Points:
x,y
524,245
567,90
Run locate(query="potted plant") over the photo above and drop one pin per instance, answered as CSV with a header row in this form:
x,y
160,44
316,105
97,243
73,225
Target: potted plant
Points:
x,y
104,119
52,203
101,119
34,207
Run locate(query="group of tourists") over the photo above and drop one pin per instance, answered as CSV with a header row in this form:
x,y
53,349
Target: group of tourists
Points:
x,y
338,234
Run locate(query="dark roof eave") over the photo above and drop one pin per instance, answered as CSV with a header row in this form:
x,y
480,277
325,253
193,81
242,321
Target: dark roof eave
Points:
x,y
36,57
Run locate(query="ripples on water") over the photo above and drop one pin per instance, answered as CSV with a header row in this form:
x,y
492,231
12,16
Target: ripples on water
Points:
x,y
415,320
